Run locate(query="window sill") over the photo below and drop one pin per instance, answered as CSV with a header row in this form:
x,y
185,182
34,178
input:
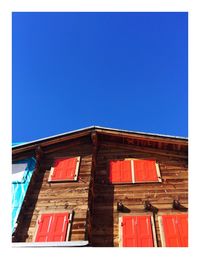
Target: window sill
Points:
x,y
50,244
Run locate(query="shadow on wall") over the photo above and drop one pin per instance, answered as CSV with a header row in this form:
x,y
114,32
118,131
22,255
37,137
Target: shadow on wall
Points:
x,y
102,213
102,230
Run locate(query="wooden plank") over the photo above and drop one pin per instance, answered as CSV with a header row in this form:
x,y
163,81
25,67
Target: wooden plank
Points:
x,y
162,235
120,238
56,197
47,142
153,232
174,154
101,197
162,139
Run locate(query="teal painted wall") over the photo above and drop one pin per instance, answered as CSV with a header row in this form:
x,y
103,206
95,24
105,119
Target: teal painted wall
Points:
x,y
19,189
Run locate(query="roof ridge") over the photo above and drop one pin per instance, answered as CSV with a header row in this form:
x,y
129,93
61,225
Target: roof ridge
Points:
x,y
101,128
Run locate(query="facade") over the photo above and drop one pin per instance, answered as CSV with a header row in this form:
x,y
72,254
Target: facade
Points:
x,y
105,187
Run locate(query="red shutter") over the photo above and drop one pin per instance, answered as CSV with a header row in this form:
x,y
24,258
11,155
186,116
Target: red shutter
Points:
x,y
120,171
145,231
44,225
64,169
145,171
59,227
137,231
175,230
182,222
52,227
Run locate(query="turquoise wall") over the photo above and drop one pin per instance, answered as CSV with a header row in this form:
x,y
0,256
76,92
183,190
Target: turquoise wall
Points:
x,y
19,189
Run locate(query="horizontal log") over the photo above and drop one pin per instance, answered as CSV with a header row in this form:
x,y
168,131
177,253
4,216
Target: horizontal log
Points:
x,y
65,195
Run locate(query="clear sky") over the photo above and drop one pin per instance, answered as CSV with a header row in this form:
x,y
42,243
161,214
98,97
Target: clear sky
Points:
x,y
118,70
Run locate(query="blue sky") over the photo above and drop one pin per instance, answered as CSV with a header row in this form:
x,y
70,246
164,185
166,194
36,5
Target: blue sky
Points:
x,y
120,70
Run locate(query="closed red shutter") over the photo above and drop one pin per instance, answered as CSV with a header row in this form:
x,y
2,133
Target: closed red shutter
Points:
x,y
52,227
59,227
182,222
64,169
145,171
44,225
137,231
120,171
175,230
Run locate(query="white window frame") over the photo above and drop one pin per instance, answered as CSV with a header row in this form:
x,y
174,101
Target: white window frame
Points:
x,y
71,212
21,172
133,173
161,228
65,180
137,214
157,171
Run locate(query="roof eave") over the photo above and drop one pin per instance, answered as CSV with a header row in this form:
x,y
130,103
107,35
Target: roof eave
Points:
x,y
99,129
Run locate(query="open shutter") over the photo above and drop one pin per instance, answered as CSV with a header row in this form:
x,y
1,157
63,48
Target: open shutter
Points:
x,y
44,226
120,171
59,227
137,231
175,229
145,171
64,169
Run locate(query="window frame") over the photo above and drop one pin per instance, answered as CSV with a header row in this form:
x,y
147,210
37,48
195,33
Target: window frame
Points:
x,y
133,173
71,214
153,228
161,227
65,180
25,172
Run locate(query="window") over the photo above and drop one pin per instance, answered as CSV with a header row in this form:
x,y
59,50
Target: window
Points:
x,y
134,171
53,227
19,172
174,230
137,231
65,169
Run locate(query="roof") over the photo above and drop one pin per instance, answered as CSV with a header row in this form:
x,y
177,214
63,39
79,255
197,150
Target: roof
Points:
x,y
98,129
17,143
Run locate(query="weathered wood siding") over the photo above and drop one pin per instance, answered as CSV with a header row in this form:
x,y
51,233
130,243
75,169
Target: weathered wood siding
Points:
x,y
44,197
92,198
174,185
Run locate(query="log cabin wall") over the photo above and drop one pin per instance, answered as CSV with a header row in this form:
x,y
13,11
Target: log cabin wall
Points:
x,y
174,185
92,197
47,197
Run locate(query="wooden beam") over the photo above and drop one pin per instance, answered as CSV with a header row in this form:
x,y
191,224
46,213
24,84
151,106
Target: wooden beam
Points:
x,y
145,149
142,136
45,143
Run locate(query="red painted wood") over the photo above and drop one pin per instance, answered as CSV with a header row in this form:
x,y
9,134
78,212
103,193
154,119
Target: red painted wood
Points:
x,y
175,230
59,227
145,231
44,224
120,171
52,227
137,231
145,171
64,169
183,229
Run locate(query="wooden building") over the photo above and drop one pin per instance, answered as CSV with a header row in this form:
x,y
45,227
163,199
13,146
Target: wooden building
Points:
x,y
105,187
